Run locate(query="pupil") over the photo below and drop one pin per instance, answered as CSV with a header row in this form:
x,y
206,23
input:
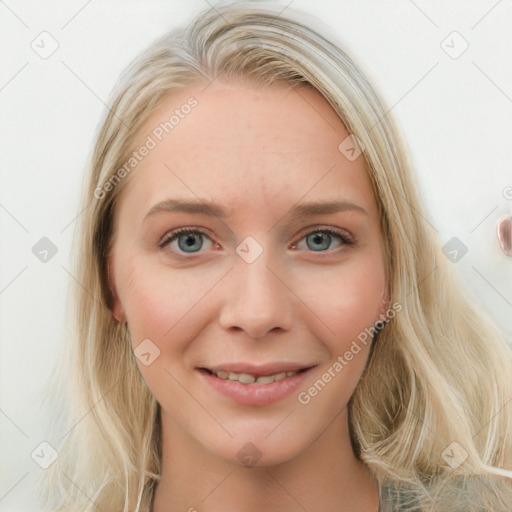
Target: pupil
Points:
x,y
190,242
320,238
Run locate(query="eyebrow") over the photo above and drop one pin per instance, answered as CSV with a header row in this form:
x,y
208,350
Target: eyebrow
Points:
x,y
297,213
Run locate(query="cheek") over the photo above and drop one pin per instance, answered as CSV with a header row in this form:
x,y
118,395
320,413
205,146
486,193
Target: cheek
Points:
x,y
349,302
360,298
159,305
147,304
161,302
347,299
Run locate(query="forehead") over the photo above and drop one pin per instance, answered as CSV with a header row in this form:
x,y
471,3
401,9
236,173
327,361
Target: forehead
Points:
x,y
246,145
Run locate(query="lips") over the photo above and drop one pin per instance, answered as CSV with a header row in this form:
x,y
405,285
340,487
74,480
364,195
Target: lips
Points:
x,y
253,378
258,370
250,384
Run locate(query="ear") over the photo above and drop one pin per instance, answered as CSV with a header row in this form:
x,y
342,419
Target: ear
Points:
x,y
116,304
384,304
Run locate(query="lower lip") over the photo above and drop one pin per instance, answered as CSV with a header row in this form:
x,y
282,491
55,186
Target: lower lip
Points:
x,y
256,394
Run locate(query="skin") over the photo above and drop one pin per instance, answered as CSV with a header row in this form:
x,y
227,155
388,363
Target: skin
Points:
x,y
258,152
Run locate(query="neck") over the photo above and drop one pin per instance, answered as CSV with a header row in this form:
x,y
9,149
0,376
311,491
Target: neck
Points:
x,y
326,476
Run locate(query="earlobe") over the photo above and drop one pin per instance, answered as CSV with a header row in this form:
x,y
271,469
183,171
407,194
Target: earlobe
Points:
x,y
116,305
384,304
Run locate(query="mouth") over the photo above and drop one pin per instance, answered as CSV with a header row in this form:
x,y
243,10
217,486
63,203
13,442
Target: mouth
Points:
x,y
255,386
253,378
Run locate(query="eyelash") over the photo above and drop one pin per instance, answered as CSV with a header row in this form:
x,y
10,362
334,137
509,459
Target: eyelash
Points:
x,y
345,238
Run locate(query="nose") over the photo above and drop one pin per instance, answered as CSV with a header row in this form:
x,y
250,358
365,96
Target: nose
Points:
x,y
258,298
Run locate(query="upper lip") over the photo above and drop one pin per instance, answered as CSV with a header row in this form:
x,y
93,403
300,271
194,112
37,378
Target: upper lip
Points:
x,y
260,370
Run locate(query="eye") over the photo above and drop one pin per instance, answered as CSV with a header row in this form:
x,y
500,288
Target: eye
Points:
x,y
188,240
321,239
191,240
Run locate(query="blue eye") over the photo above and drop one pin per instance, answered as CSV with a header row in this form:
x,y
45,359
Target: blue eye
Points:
x,y
320,240
191,241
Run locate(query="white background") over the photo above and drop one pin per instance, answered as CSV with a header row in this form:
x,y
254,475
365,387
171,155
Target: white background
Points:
x,y
455,114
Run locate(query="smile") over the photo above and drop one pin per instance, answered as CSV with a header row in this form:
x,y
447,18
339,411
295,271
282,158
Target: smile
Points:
x,y
247,378
255,388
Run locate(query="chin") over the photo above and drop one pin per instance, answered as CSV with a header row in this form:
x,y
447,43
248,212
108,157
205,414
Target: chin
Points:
x,y
259,450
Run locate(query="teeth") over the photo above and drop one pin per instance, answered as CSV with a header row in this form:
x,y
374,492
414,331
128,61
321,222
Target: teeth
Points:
x,y
267,379
246,378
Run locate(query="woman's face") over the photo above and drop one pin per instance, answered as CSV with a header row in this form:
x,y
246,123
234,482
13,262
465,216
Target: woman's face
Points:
x,y
281,269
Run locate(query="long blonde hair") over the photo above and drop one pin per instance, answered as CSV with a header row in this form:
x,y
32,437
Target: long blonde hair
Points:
x,y
437,387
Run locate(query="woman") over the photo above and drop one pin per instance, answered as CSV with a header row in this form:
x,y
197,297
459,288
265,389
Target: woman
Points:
x,y
264,317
